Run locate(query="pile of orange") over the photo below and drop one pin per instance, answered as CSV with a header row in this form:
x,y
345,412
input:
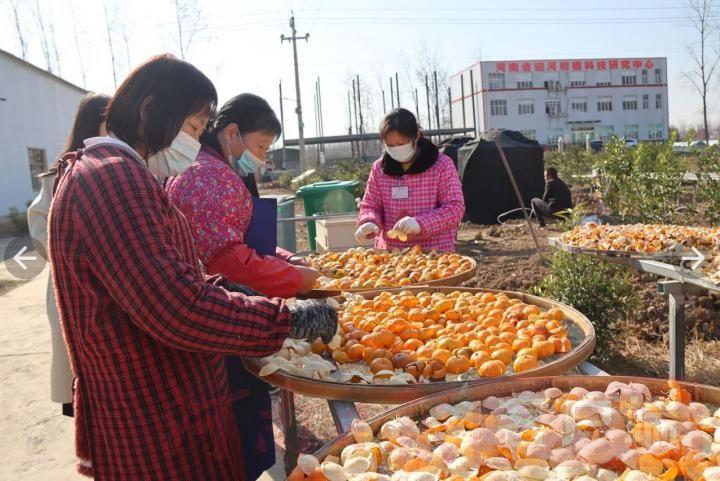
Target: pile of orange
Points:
x,y
360,268
431,335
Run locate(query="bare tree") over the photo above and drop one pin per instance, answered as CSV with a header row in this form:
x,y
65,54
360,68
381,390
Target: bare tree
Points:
x,y
109,30
427,63
189,19
45,40
15,7
704,21
77,44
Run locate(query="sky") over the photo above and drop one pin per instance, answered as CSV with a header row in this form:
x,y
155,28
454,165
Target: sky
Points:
x,y
237,44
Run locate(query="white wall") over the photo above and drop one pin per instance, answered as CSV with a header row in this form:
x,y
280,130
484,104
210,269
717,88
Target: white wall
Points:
x,y
38,113
542,123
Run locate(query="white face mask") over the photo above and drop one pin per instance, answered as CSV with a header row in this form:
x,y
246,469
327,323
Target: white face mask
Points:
x,y
402,153
175,159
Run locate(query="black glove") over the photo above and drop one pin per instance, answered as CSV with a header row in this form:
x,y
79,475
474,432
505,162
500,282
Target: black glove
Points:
x,y
232,287
312,319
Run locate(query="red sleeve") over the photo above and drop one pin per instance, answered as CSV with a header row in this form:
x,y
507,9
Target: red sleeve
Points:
x,y
270,275
281,253
124,218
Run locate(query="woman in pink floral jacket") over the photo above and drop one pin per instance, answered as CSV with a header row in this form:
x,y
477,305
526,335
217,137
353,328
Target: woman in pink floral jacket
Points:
x,y
413,189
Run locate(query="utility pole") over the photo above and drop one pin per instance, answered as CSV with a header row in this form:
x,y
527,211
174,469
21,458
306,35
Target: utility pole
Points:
x,y
320,115
352,146
383,95
397,89
417,108
392,95
427,101
437,101
462,97
450,107
282,125
298,108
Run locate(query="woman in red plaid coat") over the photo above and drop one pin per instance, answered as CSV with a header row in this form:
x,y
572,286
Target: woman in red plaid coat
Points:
x,y
413,195
147,331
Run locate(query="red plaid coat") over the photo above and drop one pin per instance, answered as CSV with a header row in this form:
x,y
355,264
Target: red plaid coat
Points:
x,y
434,198
146,332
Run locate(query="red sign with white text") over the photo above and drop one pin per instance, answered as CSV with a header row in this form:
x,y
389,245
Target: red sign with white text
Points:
x,y
573,65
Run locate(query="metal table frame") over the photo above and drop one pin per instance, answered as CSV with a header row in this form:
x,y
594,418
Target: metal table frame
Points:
x,y
678,286
343,414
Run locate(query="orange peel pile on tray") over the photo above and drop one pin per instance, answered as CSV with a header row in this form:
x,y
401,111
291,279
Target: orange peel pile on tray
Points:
x,y
622,434
646,238
427,336
360,268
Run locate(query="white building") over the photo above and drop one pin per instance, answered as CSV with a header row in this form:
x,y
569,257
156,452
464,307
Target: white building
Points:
x,y
572,98
36,115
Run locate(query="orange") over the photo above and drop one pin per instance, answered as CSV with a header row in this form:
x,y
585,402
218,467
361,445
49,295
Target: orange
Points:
x,y
444,305
411,333
381,364
491,369
355,352
520,344
386,337
413,344
544,348
448,343
340,356
524,363
457,364
480,358
317,346
557,314
425,353
527,351
397,325
503,355
442,355
416,315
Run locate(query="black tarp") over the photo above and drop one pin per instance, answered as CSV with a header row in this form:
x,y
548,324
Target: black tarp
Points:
x,y
450,146
486,186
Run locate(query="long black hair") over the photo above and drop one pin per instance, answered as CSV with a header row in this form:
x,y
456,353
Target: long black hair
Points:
x,y
88,118
250,112
163,91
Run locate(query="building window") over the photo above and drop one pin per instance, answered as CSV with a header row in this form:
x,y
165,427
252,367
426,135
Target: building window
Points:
x,y
526,107
658,101
38,165
577,79
646,102
602,78
604,104
606,132
631,131
524,80
629,78
578,104
529,134
630,103
498,107
553,135
496,81
552,108
644,75
658,76
656,131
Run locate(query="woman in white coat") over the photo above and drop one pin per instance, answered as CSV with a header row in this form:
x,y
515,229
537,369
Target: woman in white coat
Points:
x,y
89,122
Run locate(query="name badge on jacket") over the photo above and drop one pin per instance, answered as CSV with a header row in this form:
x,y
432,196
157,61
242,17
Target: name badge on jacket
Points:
x,y
400,192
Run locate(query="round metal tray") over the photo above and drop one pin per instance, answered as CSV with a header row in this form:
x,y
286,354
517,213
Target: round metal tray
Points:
x,y
582,347
674,254
420,407
455,280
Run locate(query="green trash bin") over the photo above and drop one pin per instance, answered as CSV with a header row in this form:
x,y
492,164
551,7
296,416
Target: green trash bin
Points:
x,y
331,197
286,229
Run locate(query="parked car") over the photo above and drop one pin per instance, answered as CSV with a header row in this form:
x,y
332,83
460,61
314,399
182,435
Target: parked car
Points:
x,y
630,143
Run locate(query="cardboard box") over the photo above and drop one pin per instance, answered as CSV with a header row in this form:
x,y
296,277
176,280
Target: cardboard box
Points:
x,y
338,234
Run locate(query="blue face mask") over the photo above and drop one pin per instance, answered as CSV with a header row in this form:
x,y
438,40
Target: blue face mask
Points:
x,y
247,163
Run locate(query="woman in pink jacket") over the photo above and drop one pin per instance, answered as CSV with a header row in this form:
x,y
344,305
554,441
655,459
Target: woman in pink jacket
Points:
x,y
413,190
